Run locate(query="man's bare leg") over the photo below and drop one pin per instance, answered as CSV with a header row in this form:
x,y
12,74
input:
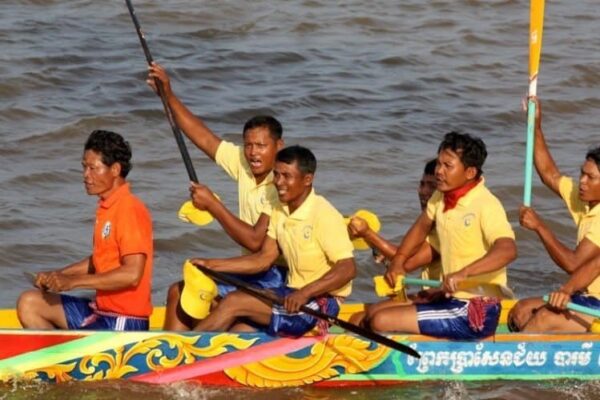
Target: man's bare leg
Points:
x,y
395,319
175,318
524,310
235,305
37,309
547,320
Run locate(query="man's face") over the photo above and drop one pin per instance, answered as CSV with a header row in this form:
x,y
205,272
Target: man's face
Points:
x,y
260,150
426,188
589,182
291,185
98,178
450,172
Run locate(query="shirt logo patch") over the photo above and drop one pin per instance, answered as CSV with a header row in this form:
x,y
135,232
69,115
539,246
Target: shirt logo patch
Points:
x,y
106,230
468,219
307,232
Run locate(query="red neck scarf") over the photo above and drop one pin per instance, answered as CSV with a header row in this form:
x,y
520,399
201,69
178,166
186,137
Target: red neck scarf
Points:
x,y
451,198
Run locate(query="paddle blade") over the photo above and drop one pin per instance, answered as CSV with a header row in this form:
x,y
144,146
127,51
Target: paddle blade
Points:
x,y
373,222
189,213
536,28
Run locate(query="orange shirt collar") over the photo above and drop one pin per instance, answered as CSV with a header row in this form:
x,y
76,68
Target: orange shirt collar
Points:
x,y
115,196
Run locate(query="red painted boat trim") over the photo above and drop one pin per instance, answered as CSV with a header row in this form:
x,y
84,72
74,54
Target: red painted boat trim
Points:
x,y
21,344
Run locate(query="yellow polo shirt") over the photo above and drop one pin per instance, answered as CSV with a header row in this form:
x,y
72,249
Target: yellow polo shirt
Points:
x,y
468,231
253,198
312,239
586,219
433,270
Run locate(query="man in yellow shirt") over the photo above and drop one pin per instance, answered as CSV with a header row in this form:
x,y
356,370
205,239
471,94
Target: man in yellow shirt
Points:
x,y
312,237
582,263
251,166
359,228
475,241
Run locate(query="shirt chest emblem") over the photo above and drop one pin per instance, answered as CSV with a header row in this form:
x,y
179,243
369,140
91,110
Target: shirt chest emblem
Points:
x,y
307,232
106,230
468,219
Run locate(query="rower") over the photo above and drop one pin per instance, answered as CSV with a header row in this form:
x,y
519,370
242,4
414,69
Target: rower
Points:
x,y
359,228
475,242
312,237
581,263
251,166
120,267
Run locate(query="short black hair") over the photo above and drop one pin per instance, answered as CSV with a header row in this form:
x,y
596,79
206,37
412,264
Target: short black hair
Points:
x,y
304,158
265,121
594,155
470,149
112,147
430,167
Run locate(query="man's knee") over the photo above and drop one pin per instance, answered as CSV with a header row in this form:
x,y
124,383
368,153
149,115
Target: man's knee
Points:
x,y
174,291
522,312
379,321
28,301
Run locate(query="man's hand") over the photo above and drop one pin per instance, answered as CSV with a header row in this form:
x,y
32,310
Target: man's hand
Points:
x,y
394,270
451,281
202,197
204,262
529,218
155,71
294,301
358,227
559,299
57,282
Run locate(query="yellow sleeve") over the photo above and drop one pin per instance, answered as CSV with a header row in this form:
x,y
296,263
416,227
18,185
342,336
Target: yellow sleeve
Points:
x,y
272,201
332,235
433,240
494,223
436,200
272,229
593,234
570,195
231,158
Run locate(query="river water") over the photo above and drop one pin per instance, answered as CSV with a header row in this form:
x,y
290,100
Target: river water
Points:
x,y
370,86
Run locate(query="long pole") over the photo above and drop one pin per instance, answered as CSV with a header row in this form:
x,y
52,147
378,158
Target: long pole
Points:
x,y
536,27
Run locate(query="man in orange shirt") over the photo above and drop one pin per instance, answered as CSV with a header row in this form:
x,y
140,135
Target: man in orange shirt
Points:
x,y
120,267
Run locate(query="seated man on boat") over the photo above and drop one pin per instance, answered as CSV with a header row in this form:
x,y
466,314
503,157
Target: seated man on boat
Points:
x,y
252,167
583,287
313,238
476,243
385,250
120,267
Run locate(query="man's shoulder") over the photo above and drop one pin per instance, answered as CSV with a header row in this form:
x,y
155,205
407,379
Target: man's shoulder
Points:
x,y
132,202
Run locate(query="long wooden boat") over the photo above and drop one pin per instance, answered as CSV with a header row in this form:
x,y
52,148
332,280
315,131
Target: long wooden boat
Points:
x,y
259,360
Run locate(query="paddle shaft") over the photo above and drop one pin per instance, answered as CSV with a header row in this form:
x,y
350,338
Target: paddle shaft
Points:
x,y
269,296
464,285
536,26
176,131
579,308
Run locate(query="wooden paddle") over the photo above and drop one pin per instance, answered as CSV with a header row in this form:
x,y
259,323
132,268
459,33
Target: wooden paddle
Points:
x,y
271,297
536,27
193,215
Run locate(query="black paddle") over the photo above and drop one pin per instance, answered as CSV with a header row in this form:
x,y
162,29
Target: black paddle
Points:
x,y
176,132
269,296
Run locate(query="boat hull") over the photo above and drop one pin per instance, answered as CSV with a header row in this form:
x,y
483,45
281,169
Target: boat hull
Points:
x,y
259,360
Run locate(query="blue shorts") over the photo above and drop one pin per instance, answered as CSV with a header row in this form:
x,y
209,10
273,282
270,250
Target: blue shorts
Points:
x,y
586,301
81,315
273,278
449,319
297,324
